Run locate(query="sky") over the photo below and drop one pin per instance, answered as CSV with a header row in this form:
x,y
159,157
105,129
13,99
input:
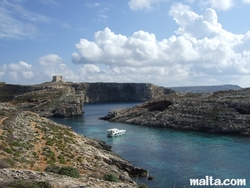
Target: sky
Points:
x,y
164,42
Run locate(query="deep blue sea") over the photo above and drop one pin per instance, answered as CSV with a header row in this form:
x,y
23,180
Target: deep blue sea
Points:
x,y
171,157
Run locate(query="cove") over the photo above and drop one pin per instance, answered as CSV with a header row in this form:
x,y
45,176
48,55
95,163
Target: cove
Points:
x,y
172,157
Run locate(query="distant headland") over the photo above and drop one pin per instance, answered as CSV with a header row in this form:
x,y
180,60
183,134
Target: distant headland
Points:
x,y
64,99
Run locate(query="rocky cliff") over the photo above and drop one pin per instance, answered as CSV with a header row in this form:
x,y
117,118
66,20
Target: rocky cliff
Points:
x,y
91,92
220,112
119,92
66,99
29,144
57,102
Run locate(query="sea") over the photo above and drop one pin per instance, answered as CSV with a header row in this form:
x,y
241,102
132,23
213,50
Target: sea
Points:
x,y
172,157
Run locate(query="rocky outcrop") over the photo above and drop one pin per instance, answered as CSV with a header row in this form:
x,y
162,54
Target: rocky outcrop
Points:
x,y
59,181
8,91
29,143
57,102
220,112
60,99
91,92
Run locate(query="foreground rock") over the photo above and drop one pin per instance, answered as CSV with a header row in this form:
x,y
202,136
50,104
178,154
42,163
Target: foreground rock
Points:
x,y
220,112
31,143
59,181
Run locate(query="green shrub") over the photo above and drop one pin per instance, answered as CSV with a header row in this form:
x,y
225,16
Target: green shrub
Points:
x,y
25,184
69,171
15,144
61,159
8,150
52,168
9,161
44,184
49,142
111,177
143,186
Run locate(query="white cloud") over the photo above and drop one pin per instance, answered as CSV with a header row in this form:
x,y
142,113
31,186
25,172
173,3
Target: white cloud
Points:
x,y
17,71
89,69
50,60
142,4
21,66
219,4
141,49
17,22
200,50
246,1
2,74
24,73
2,71
198,26
9,26
47,72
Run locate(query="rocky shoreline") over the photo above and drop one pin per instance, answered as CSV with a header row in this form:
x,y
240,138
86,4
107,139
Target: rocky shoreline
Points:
x,y
30,143
219,112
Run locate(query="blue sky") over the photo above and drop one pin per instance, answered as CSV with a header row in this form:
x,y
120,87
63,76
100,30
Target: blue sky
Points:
x,y
164,42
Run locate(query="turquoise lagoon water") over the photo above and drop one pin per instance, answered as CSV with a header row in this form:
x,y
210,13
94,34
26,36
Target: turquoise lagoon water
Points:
x,y
172,157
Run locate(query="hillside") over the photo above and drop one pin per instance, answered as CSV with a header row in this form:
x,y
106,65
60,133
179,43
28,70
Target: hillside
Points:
x,y
205,89
29,144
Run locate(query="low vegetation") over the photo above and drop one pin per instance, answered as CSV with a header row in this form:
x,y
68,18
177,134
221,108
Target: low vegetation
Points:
x,y
25,144
111,177
25,184
31,144
64,170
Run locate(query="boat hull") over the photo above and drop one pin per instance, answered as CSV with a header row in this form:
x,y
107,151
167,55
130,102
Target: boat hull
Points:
x,y
114,133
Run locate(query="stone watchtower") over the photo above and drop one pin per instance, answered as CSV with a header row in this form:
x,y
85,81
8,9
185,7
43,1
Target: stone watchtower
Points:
x,y
57,79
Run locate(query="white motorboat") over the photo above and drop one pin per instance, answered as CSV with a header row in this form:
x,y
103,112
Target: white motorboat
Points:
x,y
115,132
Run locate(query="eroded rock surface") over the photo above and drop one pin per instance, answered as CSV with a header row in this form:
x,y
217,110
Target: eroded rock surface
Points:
x,y
29,143
220,112
57,102
66,99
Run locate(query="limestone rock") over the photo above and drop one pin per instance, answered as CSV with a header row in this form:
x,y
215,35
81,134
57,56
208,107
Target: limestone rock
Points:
x,y
48,102
90,92
218,112
29,141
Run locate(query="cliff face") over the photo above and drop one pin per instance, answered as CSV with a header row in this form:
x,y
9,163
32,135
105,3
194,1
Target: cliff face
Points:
x,y
8,91
220,112
57,102
31,143
66,99
118,92
91,92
